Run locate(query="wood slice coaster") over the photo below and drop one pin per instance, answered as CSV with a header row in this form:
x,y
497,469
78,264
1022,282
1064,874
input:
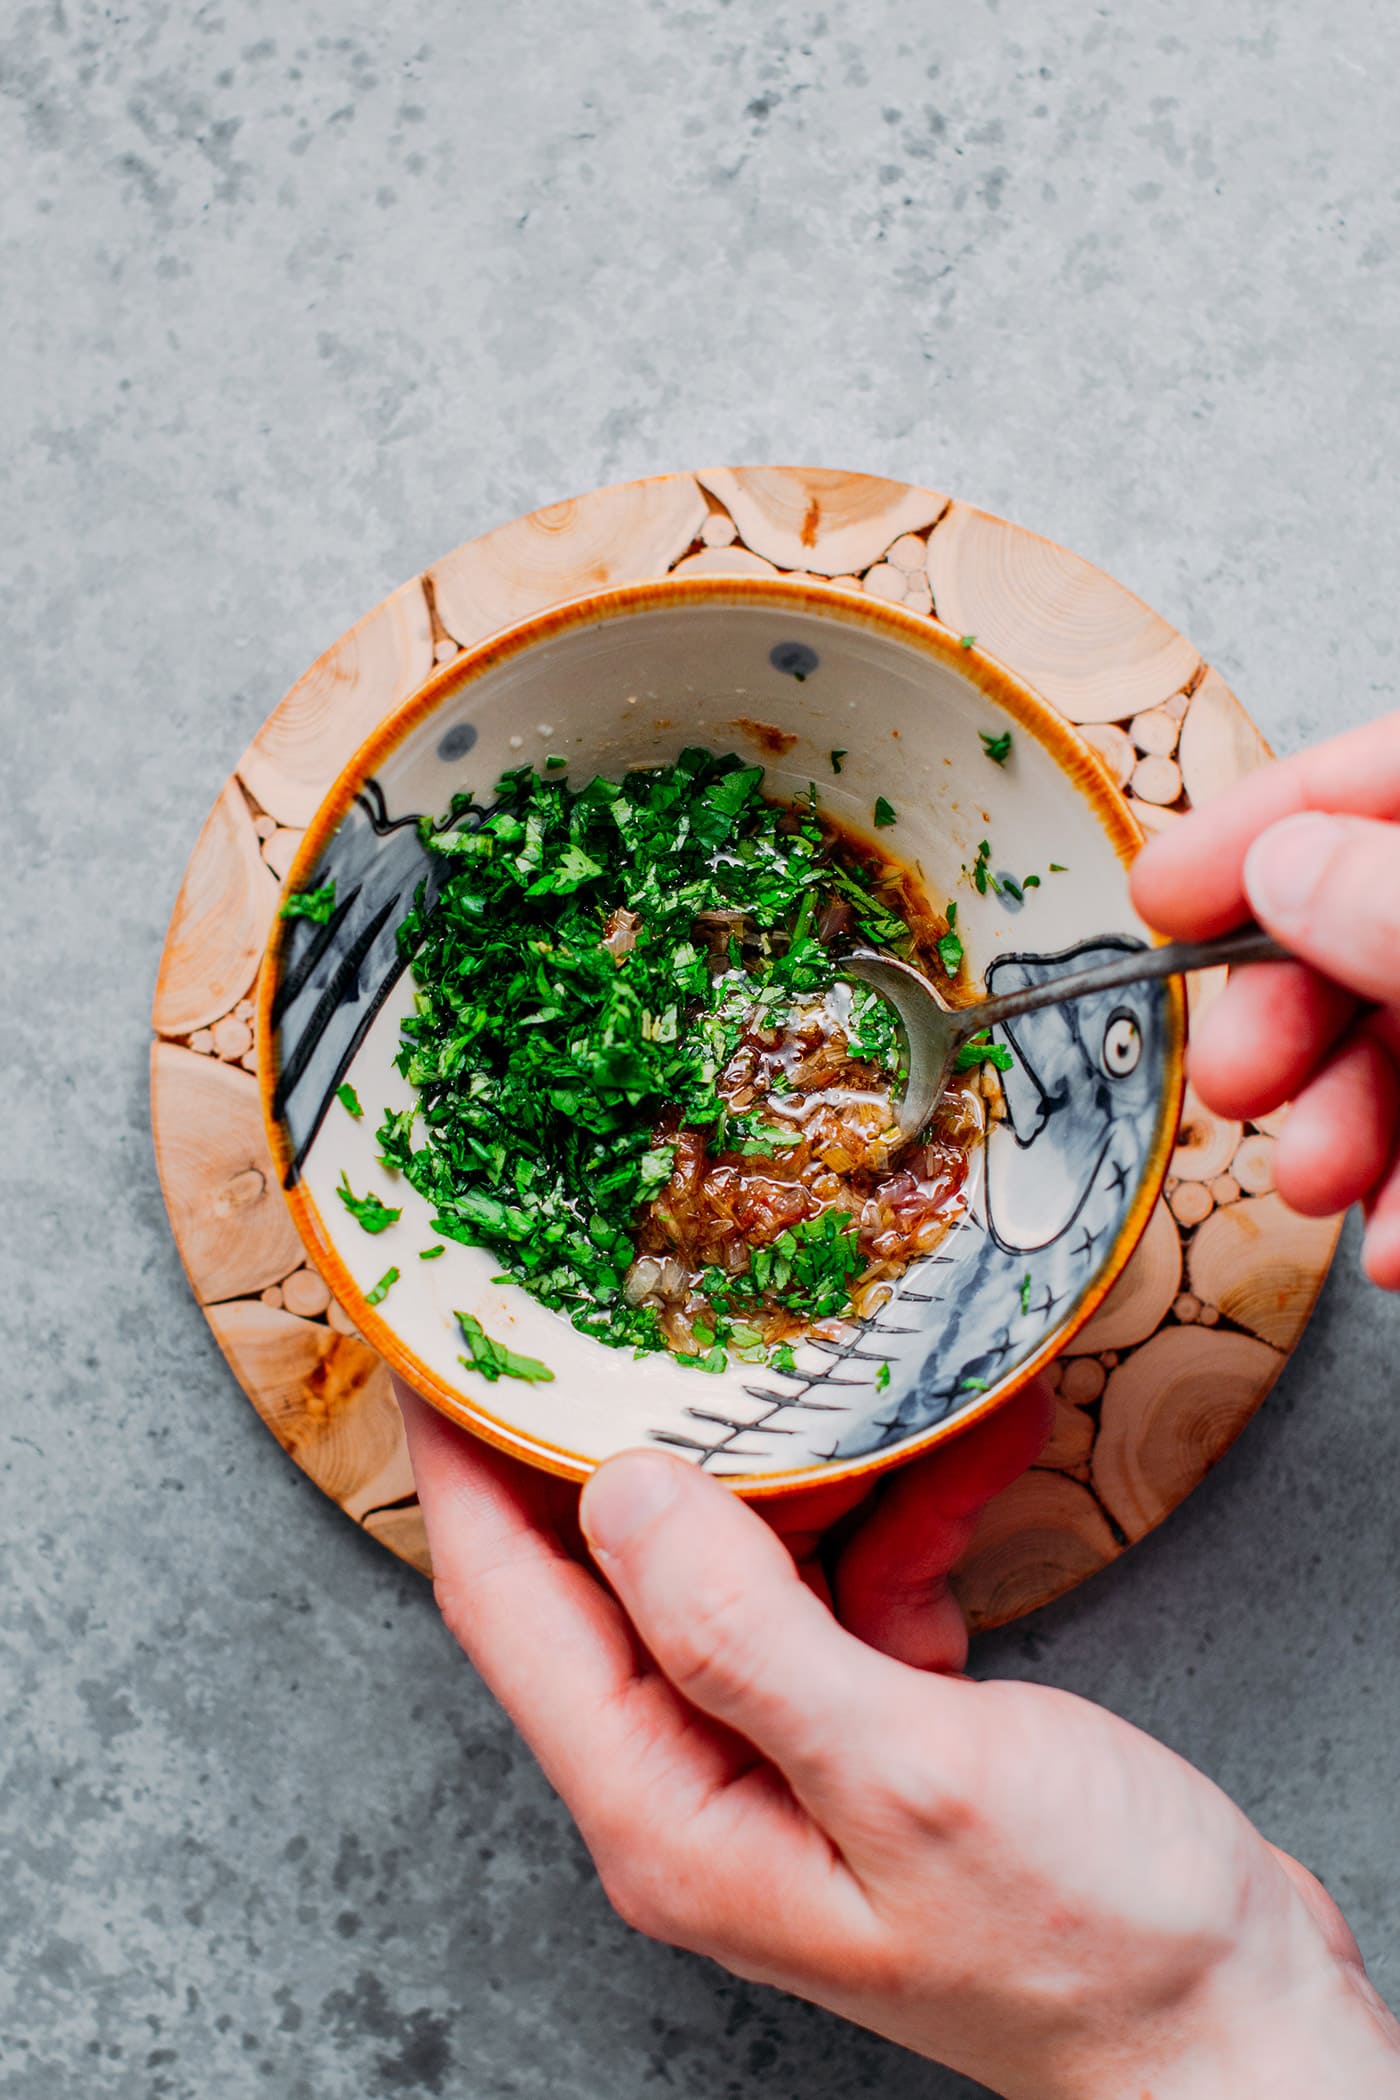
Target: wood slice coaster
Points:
x,y
1165,1376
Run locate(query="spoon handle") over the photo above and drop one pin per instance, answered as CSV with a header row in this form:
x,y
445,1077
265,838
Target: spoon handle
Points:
x,y
1247,944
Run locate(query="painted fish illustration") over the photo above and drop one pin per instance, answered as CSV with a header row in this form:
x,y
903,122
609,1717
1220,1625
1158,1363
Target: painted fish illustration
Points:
x,y
1060,1174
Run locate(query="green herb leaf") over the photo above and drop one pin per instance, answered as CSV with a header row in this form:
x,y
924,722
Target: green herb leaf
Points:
x,y
974,1385
836,758
309,904
1026,1292
382,1288
1056,869
345,1094
882,1378
494,1360
554,761
965,641
884,813
431,1253
998,748
367,1211
950,953
981,1050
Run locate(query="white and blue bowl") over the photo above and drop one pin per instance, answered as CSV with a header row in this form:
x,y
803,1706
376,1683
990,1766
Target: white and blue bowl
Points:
x,y
783,673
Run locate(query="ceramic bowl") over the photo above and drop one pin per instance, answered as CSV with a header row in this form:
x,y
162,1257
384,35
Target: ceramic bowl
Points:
x,y
783,672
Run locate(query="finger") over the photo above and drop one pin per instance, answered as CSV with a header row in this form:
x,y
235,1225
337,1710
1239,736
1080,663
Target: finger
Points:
x,y
552,1644
1329,888
1189,880
721,1608
1339,1140
1382,1253
1261,1041
891,1582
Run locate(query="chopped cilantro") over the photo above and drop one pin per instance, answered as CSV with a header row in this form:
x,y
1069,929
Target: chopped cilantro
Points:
x,y
974,1385
366,1210
884,813
1012,887
1057,869
950,947
347,1097
998,748
431,1253
1030,882
981,1050
587,971
836,758
554,761
494,1360
382,1288
781,1357
1026,1292
309,904
882,1378
982,877
965,641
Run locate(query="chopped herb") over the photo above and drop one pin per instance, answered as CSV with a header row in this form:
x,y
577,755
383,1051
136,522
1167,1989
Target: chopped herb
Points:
x,y
1056,869
974,1385
588,969
836,758
347,1097
965,641
982,877
1030,882
431,1253
998,748
981,1050
1026,1292
309,904
884,813
882,1378
494,1360
382,1288
554,761
1012,887
950,947
781,1357
366,1210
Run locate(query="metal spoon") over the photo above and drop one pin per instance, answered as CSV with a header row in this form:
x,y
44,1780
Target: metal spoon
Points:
x,y
934,1032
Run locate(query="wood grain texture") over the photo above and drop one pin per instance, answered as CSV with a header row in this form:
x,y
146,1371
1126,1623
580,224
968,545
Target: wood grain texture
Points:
x,y
818,519
626,534
1261,1265
1219,744
1092,648
1169,1413
1142,1296
326,1397
1184,1348
1040,1537
327,715
231,1225
220,924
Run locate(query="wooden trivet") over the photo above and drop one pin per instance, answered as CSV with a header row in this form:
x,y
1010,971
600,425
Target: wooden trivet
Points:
x,y
1163,1379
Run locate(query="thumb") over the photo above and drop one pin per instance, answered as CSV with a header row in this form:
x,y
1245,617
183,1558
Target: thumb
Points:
x,y
1328,887
721,1608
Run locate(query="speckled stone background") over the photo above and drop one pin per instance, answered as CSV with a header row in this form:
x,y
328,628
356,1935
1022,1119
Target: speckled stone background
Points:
x,y
297,298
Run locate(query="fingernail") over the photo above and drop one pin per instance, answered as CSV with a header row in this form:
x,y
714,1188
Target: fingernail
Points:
x,y
1284,866
623,1497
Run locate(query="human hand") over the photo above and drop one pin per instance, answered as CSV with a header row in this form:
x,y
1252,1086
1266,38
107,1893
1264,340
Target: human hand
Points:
x,y
999,1876
1312,847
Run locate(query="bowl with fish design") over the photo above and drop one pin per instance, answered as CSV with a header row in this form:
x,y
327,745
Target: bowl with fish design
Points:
x,y
572,1104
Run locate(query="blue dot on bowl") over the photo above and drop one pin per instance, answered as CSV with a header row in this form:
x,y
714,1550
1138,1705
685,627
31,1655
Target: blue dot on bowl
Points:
x,y
793,658
457,741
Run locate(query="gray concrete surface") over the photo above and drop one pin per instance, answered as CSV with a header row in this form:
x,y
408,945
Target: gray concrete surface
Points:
x,y
297,298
